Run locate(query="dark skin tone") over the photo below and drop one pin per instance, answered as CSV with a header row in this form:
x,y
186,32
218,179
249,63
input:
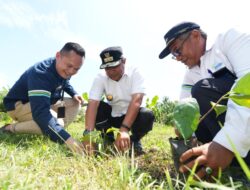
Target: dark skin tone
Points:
x,y
211,154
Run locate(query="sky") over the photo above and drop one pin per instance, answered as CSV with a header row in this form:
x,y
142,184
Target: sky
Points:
x,y
31,31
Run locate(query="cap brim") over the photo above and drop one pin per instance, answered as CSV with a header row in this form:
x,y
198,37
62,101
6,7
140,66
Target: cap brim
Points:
x,y
164,53
111,64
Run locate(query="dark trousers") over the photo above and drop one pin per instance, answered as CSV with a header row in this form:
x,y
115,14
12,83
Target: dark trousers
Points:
x,y
204,92
141,126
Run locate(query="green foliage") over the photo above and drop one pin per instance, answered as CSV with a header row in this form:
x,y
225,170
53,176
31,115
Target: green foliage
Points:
x,y
152,104
85,96
113,130
163,111
93,136
240,93
27,158
3,93
186,117
166,108
219,109
242,163
98,138
4,117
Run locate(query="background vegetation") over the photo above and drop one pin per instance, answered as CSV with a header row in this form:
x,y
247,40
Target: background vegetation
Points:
x,y
34,162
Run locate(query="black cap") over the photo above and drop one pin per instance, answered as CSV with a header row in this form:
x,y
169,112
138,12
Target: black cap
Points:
x,y
111,57
174,33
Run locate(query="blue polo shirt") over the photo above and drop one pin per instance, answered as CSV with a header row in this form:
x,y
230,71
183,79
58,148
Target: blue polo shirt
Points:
x,y
41,86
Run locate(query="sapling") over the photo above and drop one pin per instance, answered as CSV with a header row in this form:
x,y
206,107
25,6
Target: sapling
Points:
x,y
187,117
97,140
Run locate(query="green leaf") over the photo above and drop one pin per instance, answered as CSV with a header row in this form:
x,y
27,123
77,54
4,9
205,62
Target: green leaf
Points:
x,y
85,96
114,130
218,108
186,117
93,136
240,93
241,99
152,104
154,100
242,163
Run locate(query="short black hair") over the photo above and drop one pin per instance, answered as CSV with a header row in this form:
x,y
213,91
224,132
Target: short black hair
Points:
x,y
77,48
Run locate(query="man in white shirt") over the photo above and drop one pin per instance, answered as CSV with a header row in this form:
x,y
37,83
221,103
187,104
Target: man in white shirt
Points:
x,y
124,90
211,74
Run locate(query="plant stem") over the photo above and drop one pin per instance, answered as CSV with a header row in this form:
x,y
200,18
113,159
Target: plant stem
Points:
x,y
225,96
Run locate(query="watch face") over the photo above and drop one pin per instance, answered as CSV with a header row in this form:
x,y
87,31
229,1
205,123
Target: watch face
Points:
x,y
86,132
109,97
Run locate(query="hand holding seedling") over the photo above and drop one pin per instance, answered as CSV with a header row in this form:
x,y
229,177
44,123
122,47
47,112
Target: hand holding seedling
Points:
x,y
122,141
211,155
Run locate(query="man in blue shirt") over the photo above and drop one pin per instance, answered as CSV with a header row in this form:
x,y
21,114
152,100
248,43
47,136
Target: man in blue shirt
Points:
x,y
37,103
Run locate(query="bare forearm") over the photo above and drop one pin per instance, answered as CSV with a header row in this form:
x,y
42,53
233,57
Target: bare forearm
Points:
x,y
131,114
133,110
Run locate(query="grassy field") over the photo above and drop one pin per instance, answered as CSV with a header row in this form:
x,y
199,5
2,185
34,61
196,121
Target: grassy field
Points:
x,y
34,162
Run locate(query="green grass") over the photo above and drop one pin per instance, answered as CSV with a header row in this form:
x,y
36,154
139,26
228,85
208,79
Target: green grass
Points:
x,y
34,162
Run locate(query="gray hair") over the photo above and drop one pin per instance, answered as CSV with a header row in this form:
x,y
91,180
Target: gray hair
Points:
x,y
185,35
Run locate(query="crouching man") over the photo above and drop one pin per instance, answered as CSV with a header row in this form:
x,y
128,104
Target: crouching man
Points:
x,y
124,90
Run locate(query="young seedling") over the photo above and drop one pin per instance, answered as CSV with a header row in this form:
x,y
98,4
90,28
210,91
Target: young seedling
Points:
x,y
187,117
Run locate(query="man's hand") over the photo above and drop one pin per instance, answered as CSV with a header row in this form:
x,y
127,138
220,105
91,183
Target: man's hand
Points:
x,y
122,141
75,146
78,98
211,155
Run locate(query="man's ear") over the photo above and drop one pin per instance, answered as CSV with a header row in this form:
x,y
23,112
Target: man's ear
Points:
x,y
124,60
196,33
58,55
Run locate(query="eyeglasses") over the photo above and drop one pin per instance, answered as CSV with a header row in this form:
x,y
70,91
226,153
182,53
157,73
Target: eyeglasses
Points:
x,y
178,51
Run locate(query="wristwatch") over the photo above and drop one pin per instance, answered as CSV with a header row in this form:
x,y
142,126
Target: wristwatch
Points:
x,y
86,132
125,126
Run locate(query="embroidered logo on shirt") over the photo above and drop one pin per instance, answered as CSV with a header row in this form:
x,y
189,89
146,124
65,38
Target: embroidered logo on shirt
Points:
x,y
217,66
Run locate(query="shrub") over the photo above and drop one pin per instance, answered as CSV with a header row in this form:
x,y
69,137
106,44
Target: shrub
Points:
x,y
163,111
4,117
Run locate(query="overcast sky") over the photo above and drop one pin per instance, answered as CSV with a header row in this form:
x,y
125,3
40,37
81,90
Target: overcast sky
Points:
x,y
31,31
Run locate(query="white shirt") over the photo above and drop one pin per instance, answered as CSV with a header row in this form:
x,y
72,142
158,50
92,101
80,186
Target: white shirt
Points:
x,y
230,50
121,91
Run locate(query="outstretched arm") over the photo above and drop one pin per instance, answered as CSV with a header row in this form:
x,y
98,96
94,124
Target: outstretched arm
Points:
x,y
123,140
